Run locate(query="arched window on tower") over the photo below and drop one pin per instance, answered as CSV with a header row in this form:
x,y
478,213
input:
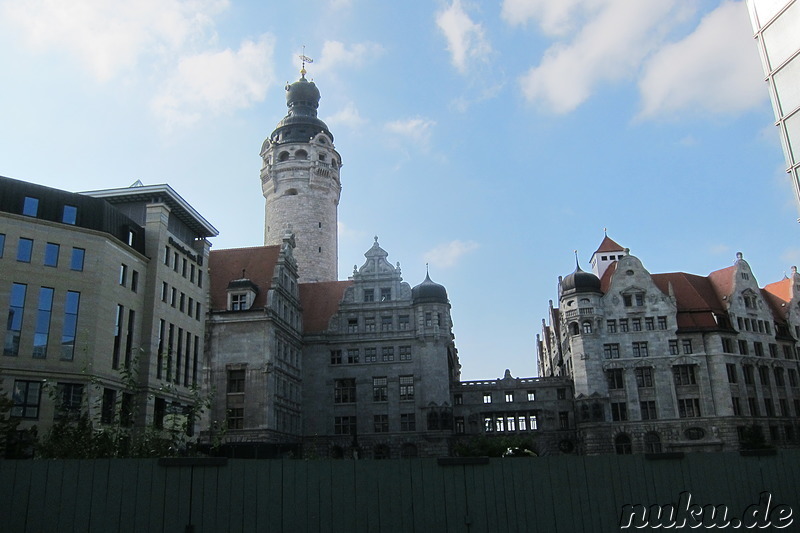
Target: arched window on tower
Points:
x,y
301,155
587,327
573,328
283,156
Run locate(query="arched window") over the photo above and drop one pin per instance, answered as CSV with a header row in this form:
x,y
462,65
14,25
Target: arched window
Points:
x,y
301,154
283,156
652,442
584,412
587,327
622,444
573,328
408,451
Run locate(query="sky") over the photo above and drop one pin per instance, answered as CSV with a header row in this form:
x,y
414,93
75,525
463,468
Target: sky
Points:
x,y
487,139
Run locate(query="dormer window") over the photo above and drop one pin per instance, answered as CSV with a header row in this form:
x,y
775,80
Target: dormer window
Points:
x,y
239,302
241,294
749,300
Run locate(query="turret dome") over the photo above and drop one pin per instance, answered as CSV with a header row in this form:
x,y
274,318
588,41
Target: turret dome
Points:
x,y
429,292
301,122
580,281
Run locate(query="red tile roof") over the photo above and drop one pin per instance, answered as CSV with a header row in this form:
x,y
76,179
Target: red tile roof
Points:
x,y
320,302
722,280
225,266
696,299
609,245
781,289
605,281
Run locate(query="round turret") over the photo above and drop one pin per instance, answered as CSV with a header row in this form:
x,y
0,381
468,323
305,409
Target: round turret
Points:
x,y
580,281
301,123
429,292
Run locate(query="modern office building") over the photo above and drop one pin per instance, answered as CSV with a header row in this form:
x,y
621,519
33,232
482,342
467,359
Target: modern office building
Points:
x,y
106,296
775,24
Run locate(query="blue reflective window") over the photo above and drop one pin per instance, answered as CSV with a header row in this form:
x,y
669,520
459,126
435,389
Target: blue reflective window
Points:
x,y
70,214
76,261
51,254
30,207
24,250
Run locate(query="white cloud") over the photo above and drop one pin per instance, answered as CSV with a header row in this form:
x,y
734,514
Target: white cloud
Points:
x,y
554,18
466,40
716,68
216,82
719,249
448,254
110,37
417,129
347,116
336,55
608,48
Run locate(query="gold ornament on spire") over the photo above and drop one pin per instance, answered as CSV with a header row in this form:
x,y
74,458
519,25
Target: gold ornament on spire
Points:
x,y
305,59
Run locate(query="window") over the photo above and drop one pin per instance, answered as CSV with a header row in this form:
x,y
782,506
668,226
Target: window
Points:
x,y
662,322
135,282
637,324
70,398
70,327
648,410
673,347
788,352
352,355
736,406
561,394
386,323
563,420
769,408
587,327
236,381
126,410
758,349
644,376
51,254
727,345
531,396
344,425
743,347
611,326
773,350
649,323
792,377
639,297
175,263
381,423
369,323
747,370
687,346
387,354
779,379
619,411
403,321
235,417
405,353
369,295
26,398
2,243
76,260
370,355
509,396
344,390
386,294
16,309
623,325
42,330
627,299
763,374
69,215
611,351
379,389
684,374
533,424
615,378
108,406
123,274
640,349
406,388
173,296
24,250
652,442
30,206
336,357
117,336
407,422
352,325
487,397
732,376
688,407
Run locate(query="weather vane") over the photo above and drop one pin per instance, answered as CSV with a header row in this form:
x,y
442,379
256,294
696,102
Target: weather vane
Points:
x,y
305,59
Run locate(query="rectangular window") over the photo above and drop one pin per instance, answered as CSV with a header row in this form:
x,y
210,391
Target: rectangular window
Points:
x,y
123,274
235,418
16,309
428,319
352,356
167,253
458,399
135,281
763,374
639,299
344,425
619,411
108,406
561,394
627,299
758,349
2,243
336,357
688,407
386,323
352,325
386,294
387,353
197,311
120,316
70,328
736,406
344,390
792,378
623,325
779,380
129,338
69,398
748,372
173,296
611,326
769,407
637,324
175,262
532,422
611,351
727,345
26,398
743,347
403,321
687,346
408,422
773,350
41,333
563,420
30,206
24,250
199,278
684,374
406,388
487,397
379,389
531,396
76,260
649,323
184,267
644,377
509,396
732,376
640,349
380,423
182,304
370,355
126,410
51,254
195,360
662,322
673,347
369,323
69,215
615,378
648,410
179,356
405,353
369,295
236,381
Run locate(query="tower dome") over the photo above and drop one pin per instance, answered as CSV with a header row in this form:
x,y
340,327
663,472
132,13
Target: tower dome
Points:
x,y
580,281
301,123
429,292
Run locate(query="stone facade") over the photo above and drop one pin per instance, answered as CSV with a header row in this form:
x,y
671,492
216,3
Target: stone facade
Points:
x,y
674,362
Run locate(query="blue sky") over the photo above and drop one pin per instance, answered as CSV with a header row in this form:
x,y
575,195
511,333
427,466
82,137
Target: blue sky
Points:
x,y
489,139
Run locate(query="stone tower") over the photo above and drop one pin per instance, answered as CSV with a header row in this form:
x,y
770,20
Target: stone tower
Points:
x,y
300,182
